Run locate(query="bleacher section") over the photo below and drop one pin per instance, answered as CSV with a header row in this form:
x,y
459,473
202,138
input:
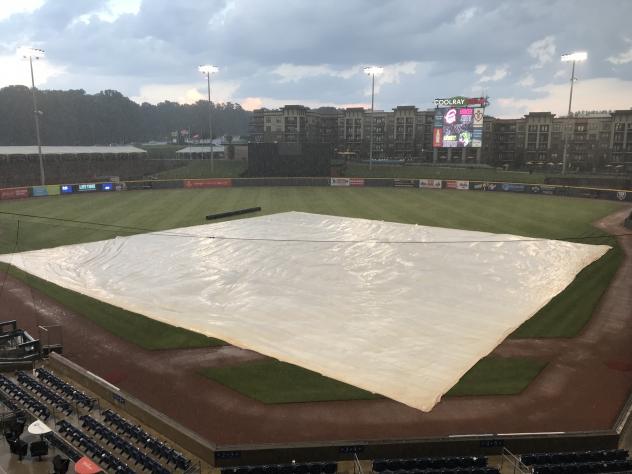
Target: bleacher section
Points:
x,y
68,390
157,447
44,393
121,447
614,460
100,455
40,410
428,465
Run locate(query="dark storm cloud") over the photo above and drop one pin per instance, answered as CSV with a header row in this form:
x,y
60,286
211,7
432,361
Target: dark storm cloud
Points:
x,y
250,39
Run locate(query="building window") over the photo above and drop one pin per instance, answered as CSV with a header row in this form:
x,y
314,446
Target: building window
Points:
x,y
544,128
619,127
533,128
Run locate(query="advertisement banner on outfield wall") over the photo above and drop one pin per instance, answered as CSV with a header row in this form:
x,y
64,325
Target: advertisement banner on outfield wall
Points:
x,y
542,189
430,183
38,191
340,182
453,184
513,187
356,182
406,183
207,183
14,193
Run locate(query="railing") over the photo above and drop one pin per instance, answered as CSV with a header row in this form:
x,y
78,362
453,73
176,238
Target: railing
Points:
x,y
513,463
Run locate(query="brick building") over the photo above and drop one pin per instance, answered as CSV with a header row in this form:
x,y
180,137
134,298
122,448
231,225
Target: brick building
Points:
x,y
594,141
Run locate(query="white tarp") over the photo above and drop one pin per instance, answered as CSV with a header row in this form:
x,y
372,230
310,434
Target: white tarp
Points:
x,y
406,320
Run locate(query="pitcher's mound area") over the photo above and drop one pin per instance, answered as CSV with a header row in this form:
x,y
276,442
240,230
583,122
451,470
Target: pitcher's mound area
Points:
x,y
397,309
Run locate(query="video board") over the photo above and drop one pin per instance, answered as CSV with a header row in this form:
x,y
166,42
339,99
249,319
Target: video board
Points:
x,y
458,122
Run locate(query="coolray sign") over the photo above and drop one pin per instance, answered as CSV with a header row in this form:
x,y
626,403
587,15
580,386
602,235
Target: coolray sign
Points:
x,y
460,101
451,102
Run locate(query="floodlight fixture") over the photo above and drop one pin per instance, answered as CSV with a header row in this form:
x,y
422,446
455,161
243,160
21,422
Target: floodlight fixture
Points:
x,y
27,52
576,56
373,70
208,69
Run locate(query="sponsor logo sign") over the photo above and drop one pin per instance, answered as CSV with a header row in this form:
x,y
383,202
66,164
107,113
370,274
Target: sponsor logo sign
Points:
x,y
512,187
39,191
340,182
207,183
405,183
356,182
437,137
430,183
453,184
14,193
83,188
621,195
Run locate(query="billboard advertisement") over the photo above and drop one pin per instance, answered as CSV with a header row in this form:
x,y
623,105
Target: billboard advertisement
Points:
x,y
430,183
458,122
454,128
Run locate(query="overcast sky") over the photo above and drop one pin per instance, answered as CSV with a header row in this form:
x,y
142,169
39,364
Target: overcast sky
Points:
x,y
276,52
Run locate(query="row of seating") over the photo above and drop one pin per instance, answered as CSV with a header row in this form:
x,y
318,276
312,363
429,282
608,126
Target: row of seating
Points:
x,y
67,389
43,392
133,453
381,465
301,468
35,406
62,446
157,447
574,457
618,466
445,470
100,455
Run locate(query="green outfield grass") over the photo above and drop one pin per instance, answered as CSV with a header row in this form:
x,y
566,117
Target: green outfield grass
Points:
x,y
497,376
537,216
272,381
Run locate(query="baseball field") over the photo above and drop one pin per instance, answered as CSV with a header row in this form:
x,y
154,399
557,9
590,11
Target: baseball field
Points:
x,y
48,222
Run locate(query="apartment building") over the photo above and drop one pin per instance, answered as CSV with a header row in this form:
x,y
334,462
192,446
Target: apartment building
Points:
x,y
538,140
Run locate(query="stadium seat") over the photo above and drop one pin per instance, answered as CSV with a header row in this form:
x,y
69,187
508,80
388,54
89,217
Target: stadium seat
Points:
x,y
39,449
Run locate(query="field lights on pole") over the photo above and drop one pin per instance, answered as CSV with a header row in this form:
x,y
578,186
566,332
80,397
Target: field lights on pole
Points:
x,y
372,71
568,58
207,70
30,54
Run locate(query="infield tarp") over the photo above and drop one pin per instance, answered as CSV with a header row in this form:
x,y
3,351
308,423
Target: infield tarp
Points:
x,y
397,309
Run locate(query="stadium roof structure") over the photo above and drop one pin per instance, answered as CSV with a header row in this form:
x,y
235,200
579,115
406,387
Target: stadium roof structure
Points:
x,y
201,149
70,150
397,309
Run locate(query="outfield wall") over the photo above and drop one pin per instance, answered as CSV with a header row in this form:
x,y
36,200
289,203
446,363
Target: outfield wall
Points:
x,y
422,184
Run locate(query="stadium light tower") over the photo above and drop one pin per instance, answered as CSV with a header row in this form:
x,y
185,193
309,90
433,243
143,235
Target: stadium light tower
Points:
x,y
30,54
566,58
372,71
207,70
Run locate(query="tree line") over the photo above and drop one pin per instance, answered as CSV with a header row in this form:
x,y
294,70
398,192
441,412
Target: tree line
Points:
x,y
73,117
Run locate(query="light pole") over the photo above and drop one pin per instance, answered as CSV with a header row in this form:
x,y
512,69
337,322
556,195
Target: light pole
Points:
x,y
30,54
571,57
207,70
372,71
